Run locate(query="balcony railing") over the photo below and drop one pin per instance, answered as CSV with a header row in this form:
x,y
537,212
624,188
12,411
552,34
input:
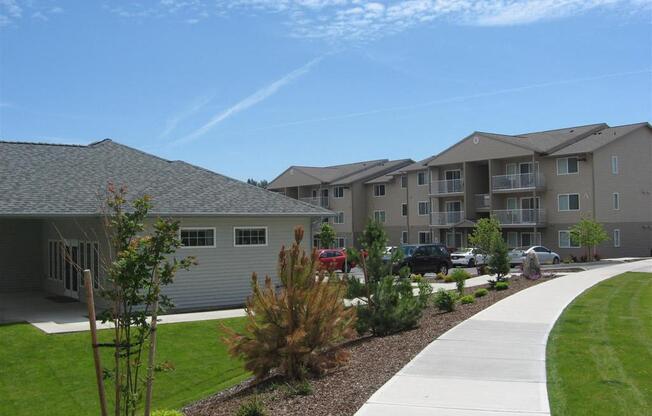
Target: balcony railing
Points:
x,y
449,186
482,201
519,181
319,201
520,216
447,217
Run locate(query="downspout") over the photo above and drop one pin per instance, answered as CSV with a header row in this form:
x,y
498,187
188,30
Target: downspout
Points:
x,y
534,197
407,202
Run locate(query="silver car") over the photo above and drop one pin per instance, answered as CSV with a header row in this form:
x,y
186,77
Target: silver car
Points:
x,y
545,255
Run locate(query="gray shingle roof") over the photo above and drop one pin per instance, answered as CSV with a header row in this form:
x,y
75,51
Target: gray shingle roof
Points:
x,y
323,174
373,172
46,179
599,139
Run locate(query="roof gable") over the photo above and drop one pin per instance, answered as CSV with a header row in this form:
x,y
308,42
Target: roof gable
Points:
x,y
479,146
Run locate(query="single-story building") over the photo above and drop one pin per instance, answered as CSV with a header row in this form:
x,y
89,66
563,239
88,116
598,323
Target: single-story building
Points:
x,y
52,198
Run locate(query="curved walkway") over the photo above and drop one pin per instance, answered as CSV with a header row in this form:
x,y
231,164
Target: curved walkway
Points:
x,y
492,364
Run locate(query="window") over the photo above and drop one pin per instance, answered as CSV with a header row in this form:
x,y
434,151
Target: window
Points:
x,y
616,200
566,240
425,237
404,210
339,218
379,190
379,216
421,178
198,237
424,208
616,237
404,181
249,236
51,259
340,242
338,192
512,239
567,166
568,202
614,165
453,240
530,239
404,237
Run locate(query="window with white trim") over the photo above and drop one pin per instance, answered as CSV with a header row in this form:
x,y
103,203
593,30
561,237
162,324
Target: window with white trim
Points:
x,y
340,242
404,181
339,218
249,236
338,192
568,202
404,237
566,240
616,200
379,190
530,239
568,166
616,237
422,178
424,207
425,237
379,216
404,210
614,165
197,237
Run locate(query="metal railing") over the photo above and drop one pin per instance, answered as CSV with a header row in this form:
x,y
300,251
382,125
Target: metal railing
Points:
x,y
517,181
482,201
520,216
446,218
319,201
449,186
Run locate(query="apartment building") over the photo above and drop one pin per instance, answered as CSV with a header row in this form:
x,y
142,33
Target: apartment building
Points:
x,y
538,185
340,188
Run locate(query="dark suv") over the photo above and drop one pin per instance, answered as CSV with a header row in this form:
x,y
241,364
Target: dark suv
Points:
x,y
426,258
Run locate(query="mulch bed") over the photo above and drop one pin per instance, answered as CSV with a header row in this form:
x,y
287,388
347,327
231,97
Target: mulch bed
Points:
x,y
373,362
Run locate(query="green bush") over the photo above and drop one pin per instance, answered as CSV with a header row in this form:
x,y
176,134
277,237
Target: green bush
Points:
x,y
417,278
449,279
480,293
404,272
440,276
300,388
354,288
445,300
166,413
460,276
467,299
394,308
253,407
501,286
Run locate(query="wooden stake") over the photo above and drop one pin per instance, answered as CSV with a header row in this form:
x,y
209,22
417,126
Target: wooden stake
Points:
x,y
88,283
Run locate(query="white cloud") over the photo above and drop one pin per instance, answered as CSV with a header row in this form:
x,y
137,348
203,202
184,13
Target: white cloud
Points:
x,y
250,101
12,11
172,122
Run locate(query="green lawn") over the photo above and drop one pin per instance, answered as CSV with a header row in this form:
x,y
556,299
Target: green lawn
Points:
x,y
599,355
53,374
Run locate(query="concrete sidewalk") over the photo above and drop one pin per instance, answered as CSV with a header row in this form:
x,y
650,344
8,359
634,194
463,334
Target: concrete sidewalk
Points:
x,y
492,364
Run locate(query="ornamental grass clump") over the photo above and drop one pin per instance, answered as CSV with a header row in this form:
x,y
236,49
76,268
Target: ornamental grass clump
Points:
x,y
297,329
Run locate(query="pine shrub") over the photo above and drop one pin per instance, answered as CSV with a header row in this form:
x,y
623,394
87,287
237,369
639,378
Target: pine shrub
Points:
x,y
480,293
501,286
445,300
467,299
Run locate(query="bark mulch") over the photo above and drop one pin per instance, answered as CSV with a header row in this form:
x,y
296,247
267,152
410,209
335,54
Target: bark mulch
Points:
x,y
373,362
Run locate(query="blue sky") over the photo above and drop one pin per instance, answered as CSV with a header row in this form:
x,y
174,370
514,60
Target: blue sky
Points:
x,y
248,87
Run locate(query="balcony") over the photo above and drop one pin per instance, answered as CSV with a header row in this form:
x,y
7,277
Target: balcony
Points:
x,y
520,217
482,202
517,182
447,187
447,218
319,201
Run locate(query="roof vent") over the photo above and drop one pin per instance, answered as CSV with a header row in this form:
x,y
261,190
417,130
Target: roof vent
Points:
x,y
572,130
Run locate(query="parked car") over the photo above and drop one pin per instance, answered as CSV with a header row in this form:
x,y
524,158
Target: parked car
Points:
x,y
545,255
426,258
468,257
335,259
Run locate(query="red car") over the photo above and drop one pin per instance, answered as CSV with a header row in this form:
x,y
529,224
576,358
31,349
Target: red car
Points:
x,y
334,259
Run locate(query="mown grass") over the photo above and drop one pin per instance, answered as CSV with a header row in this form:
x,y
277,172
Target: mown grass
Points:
x,y
53,374
599,355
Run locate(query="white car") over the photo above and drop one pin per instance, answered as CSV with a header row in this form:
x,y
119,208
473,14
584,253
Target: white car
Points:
x,y
467,257
545,255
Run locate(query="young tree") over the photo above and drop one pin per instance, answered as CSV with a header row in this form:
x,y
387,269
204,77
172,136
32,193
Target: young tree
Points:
x,y
485,235
589,233
261,184
140,268
374,243
498,260
298,328
326,235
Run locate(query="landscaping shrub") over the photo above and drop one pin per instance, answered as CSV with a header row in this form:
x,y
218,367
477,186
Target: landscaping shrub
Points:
x,y
300,388
467,299
253,407
166,413
440,276
498,263
502,286
354,288
445,300
567,260
394,307
449,279
482,269
297,328
480,293
531,266
405,272
460,276
418,278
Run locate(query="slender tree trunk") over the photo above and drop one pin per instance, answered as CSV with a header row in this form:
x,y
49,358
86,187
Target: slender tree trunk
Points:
x,y
96,352
152,347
